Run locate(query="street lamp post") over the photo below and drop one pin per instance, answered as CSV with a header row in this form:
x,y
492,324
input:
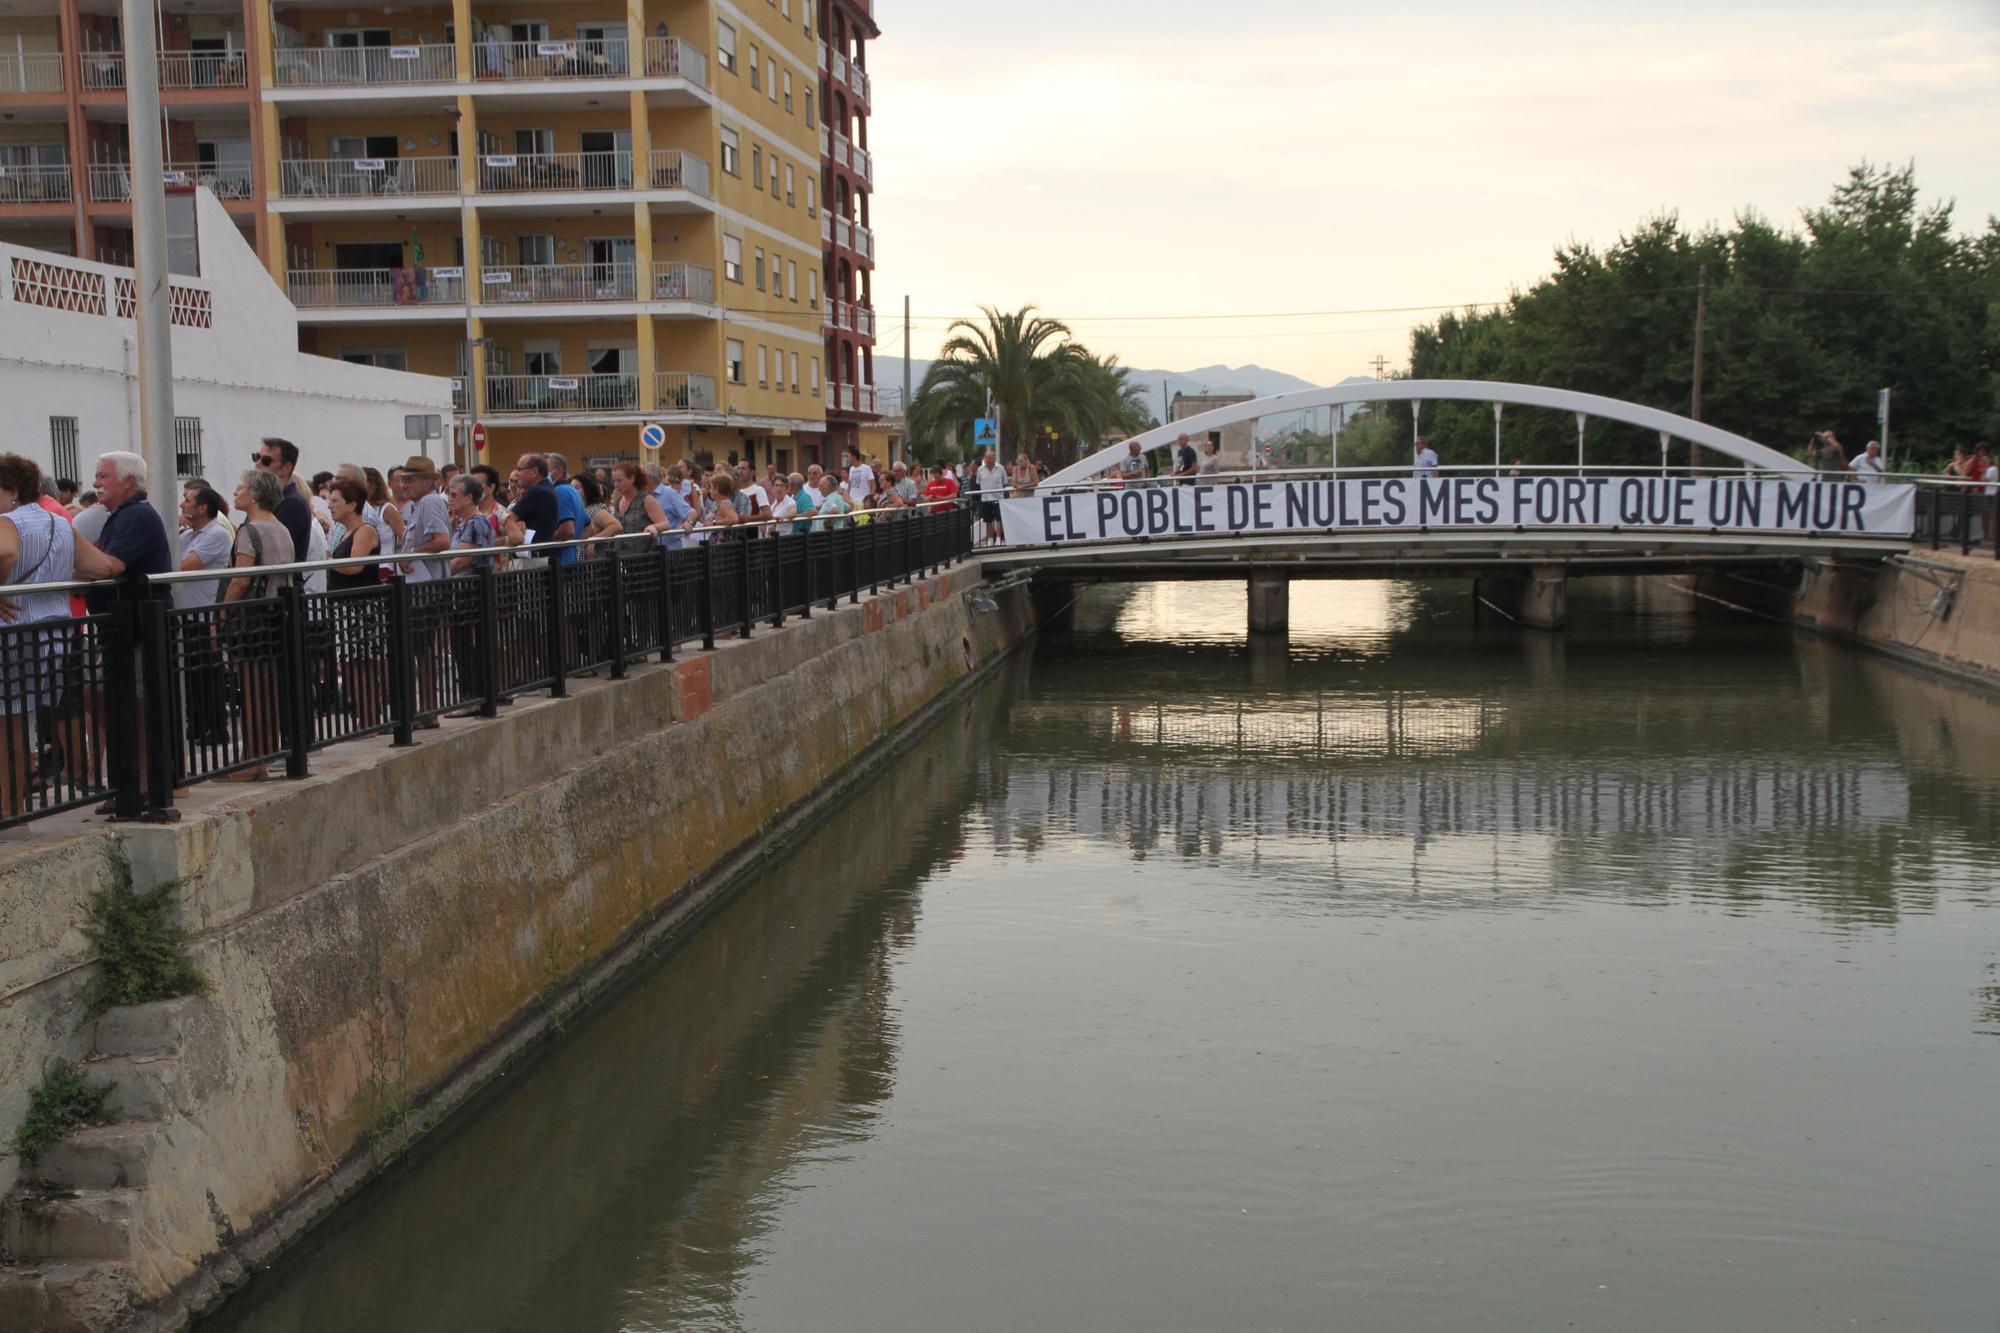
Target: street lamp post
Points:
x,y
151,286
467,269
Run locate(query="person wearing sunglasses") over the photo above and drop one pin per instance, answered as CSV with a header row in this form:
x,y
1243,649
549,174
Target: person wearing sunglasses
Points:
x,y
294,511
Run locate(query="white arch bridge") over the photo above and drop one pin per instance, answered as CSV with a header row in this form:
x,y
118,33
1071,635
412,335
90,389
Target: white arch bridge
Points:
x,y
1520,531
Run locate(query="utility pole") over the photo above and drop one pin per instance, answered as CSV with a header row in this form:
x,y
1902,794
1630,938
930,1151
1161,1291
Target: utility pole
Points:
x,y
1700,328
906,378
152,287
1381,364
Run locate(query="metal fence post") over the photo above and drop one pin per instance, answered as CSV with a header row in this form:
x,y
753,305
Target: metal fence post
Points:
x,y
708,595
157,709
853,566
402,662
121,654
617,581
294,711
558,627
775,562
805,541
742,544
666,562
489,642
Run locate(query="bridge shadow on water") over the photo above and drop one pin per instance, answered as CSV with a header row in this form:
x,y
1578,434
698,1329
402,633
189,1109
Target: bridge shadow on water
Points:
x,y
1399,742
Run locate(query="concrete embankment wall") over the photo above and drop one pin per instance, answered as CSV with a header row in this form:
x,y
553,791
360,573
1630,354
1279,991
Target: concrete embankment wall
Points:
x,y
1893,608
382,937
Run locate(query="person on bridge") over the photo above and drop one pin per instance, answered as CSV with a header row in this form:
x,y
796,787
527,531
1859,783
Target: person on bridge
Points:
x,y
1831,457
943,487
1868,463
1185,464
1424,462
1211,458
1132,467
991,479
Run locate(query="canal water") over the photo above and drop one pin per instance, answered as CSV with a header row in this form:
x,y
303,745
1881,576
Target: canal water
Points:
x,y
1418,974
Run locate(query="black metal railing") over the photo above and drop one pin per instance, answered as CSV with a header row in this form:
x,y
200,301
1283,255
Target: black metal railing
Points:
x,y
1959,517
124,706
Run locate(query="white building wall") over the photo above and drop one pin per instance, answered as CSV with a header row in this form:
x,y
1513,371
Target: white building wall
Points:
x,y
67,351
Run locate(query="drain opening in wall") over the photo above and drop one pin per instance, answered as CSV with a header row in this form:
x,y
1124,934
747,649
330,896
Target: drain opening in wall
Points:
x,y
968,653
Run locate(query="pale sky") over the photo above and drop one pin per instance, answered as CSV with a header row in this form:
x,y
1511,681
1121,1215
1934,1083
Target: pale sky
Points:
x,y
1106,159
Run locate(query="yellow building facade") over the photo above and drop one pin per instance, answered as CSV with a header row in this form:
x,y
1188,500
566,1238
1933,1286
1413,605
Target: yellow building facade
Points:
x,y
594,215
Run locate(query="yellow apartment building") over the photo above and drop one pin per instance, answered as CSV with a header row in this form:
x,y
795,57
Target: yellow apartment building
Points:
x,y
593,214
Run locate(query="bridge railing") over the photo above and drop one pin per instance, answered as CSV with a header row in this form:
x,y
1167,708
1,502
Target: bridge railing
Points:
x,y
143,696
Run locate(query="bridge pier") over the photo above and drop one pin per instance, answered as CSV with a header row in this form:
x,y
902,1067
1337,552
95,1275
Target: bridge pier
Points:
x,y
1270,601
1538,599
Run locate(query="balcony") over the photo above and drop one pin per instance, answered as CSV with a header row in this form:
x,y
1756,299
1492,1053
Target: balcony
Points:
x,y
844,153
844,71
180,71
539,394
111,182
31,72
34,185
541,62
850,397
850,318
678,391
366,66
672,58
675,170
851,236
363,177
516,173
675,281
553,284
825,227
374,288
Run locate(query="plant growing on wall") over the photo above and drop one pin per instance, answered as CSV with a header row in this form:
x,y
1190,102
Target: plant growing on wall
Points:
x,y
141,945
64,1100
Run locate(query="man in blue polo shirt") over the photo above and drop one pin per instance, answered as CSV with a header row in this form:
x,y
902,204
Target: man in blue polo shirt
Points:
x,y
569,506
133,541
534,517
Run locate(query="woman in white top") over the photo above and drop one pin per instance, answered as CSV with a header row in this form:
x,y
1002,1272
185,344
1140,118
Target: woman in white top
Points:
x,y
35,547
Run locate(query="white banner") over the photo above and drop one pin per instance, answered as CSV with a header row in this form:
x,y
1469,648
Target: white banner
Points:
x,y
1374,504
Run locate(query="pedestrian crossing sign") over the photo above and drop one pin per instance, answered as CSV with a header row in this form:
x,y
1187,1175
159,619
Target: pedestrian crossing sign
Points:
x,y
985,433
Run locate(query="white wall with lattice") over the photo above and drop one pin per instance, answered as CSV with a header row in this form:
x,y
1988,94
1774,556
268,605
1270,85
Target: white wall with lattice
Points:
x,y
67,355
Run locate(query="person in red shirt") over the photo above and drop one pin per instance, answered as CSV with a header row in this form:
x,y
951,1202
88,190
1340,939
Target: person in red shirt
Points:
x,y
942,488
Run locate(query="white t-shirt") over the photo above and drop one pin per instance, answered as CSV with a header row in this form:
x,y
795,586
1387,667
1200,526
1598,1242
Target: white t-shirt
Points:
x,y
1992,475
992,482
785,508
757,498
1426,463
860,483
212,545
1870,467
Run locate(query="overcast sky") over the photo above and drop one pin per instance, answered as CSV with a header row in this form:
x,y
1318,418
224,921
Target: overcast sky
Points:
x,y
1107,159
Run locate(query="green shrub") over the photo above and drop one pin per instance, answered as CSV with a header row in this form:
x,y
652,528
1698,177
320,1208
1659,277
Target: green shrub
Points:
x,y
63,1100
141,946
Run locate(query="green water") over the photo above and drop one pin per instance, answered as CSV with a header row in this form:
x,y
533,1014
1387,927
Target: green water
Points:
x,y
1418,974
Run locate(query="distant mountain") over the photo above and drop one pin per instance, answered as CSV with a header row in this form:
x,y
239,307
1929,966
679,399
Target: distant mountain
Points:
x,y
1253,380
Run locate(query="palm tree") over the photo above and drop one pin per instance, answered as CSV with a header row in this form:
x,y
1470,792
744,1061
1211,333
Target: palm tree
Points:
x,y
1015,357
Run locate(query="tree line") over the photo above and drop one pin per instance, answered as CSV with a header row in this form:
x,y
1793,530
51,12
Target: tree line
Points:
x,y
1801,328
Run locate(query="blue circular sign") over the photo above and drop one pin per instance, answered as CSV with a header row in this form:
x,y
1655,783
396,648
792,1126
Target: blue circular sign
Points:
x,y
652,435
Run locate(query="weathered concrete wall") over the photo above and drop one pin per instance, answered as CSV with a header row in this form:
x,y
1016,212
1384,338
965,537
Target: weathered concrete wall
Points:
x,y
1892,608
382,936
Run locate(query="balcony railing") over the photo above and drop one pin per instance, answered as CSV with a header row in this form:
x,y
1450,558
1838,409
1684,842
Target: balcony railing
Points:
x,y
561,393
675,170
329,289
825,227
679,391
513,173
202,69
852,318
857,79
346,67
850,397
359,177
675,281
534,62
34,185
31,72
101,71
558,283
111,182
670,58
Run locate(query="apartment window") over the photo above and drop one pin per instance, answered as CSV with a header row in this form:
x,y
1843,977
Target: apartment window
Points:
x,y
795,372
535,251
187,446
788,90
812,288
756,74
785,7
759,270
725,45
540,142
771,83
812,109
763,378
732,258
541,356
732,356
813,384
62,446
774,173
792,278
756,167
791,180
732,152
812,196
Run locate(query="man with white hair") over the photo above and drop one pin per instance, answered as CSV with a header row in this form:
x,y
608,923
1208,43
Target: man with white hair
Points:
x,y
1868,463
134,540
